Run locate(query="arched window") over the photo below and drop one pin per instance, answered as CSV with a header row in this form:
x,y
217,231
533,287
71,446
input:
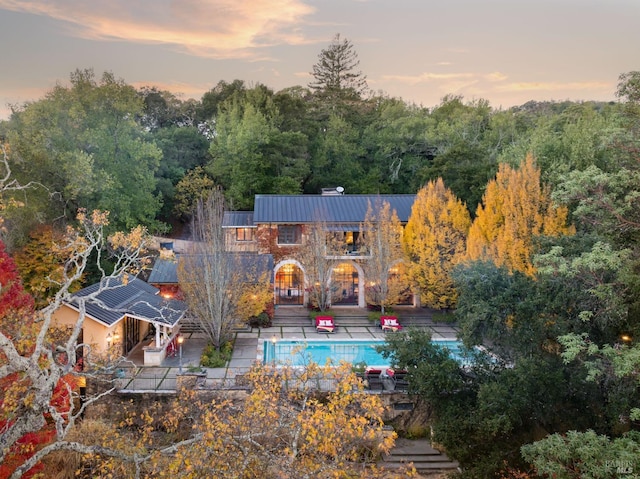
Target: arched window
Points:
x,y
289,285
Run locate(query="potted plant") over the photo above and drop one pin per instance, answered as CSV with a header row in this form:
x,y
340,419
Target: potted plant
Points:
x,y
359,369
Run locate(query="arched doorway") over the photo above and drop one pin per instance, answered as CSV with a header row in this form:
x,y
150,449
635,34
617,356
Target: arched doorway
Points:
x,y
289,285
346,284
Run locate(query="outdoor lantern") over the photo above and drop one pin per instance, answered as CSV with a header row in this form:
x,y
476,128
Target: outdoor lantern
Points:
x,y
180,341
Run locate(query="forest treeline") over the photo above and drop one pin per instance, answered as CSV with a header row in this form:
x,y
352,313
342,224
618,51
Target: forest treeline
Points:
x,y
144,155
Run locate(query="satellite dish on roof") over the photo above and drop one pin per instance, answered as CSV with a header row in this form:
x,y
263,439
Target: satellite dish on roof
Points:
x,y
340,189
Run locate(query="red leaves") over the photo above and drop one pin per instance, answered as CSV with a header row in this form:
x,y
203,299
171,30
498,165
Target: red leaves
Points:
x,y
31,442
12,295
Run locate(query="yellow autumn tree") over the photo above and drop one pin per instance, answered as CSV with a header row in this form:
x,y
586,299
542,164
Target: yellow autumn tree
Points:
x,y
282,426
434,241
382,241
515,208
285,428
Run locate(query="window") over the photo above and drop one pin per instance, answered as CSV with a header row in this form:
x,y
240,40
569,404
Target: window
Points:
x,y
244,234
289,234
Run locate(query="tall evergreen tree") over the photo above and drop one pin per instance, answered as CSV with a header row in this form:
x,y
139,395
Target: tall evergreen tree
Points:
x,y
335,74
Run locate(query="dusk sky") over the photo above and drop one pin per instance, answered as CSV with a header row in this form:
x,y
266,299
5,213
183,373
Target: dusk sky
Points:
x,y
505,51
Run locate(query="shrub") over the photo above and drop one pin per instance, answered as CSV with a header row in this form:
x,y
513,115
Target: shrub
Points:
x,y
261,321
270,309
313,313
443,316
416,431
214,358
359,368
374,316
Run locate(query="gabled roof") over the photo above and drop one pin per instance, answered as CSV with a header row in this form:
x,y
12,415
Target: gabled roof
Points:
x,y
251,265
134,298
339,209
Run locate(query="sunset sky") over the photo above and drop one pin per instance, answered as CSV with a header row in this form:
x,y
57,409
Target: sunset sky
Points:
x,y
505,51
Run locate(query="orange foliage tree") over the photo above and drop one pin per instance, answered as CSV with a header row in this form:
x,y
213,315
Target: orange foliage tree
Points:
x,y
12,295
285,429
434,241
515,208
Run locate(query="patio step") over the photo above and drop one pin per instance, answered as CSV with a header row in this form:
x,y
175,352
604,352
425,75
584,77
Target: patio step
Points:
x,y
189,326
353,317
291,316
424,457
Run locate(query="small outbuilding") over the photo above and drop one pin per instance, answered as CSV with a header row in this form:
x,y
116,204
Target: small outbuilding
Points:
x,y
120,313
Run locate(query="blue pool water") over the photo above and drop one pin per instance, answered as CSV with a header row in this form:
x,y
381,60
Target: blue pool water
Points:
x,y
300,353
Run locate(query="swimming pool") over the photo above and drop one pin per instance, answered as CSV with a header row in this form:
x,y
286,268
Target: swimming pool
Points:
x,y
300,352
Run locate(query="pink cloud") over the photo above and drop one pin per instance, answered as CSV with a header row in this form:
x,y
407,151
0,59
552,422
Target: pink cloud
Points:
x,y
207,28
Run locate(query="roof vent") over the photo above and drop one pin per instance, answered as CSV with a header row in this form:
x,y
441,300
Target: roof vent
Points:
x,y
338,190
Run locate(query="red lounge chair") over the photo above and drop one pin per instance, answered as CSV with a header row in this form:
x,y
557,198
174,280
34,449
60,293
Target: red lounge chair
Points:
x,y
325,324
390,323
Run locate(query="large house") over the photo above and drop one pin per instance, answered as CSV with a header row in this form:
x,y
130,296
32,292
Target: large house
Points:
x,y
123,314
277,227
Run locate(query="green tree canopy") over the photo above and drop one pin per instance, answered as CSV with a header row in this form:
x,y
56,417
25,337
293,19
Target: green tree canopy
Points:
x,y
252,156
83,145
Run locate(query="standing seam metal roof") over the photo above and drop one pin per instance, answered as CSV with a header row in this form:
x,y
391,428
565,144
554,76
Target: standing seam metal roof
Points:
x,y
237,219
298,209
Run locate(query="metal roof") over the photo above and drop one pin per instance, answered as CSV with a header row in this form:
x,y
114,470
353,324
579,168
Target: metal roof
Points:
x,y
237,219
164,271
252,265
112,299
341,209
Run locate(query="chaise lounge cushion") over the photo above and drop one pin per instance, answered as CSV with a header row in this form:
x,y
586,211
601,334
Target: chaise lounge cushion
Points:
x,y
325,324
389,323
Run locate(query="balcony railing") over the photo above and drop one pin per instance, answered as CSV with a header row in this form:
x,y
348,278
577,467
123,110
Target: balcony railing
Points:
x,y
350,252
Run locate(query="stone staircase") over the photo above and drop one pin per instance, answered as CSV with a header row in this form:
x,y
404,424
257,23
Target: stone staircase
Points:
x,y
346,317
427,460
190,326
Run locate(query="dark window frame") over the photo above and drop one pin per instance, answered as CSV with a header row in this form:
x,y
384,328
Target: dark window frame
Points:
x,y
241,234
289,234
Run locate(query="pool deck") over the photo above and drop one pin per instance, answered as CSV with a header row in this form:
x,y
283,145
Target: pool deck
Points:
x,y
248,349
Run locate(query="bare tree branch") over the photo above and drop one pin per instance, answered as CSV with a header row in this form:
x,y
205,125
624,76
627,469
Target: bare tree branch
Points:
x,y
41,368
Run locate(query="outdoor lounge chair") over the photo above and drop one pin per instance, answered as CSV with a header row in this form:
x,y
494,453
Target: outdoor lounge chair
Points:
x,y
400,381
390,323
373,379
325,324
